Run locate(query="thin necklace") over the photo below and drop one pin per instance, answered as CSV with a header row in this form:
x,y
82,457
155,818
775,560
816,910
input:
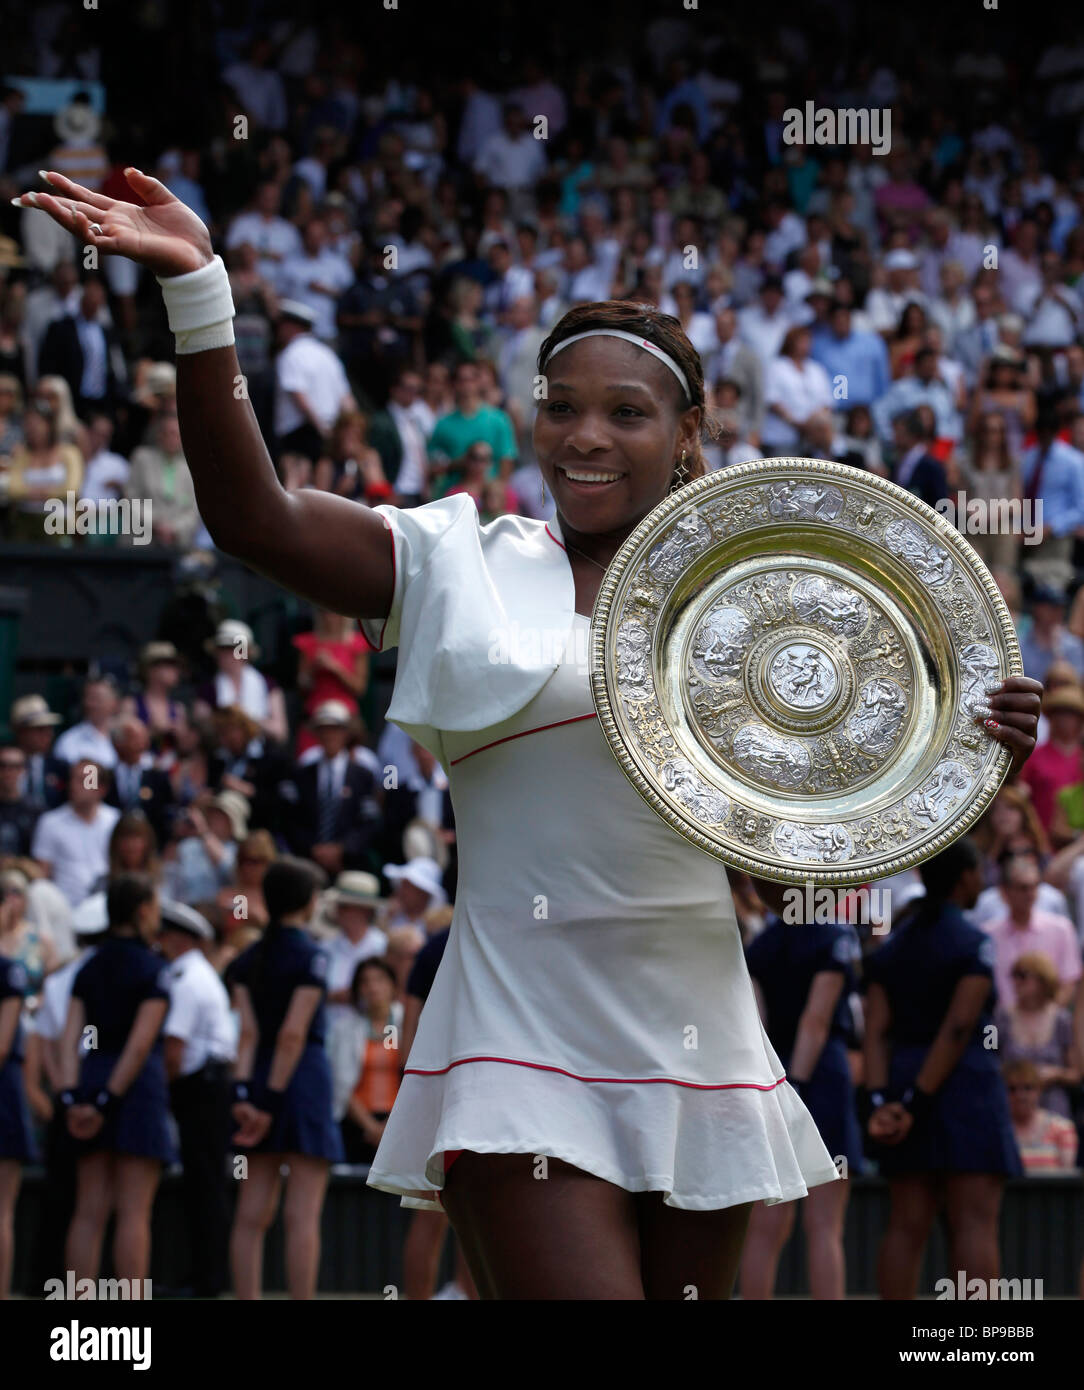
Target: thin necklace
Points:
x,y
578,551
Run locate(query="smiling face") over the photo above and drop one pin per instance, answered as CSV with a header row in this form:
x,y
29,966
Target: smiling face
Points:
x,y
609,434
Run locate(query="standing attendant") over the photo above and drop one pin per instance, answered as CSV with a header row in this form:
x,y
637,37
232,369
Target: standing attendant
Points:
x,y
200,1045
805,973
282,1091
16,1140
115,1095
559,1036
936,1106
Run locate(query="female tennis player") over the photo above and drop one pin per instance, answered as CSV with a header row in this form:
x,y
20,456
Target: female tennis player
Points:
x,y
590,1090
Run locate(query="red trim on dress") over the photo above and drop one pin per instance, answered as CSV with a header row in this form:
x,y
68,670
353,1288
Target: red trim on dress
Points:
x,y
554,538
575,719
394,577
614,1080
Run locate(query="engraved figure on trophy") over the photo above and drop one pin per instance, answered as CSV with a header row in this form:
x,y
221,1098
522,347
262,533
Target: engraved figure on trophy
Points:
x,y
826,844
932,564
720,643
829,604
633,648
805,502
768,756
706,803
940,793
875,724
979,666
669,557
802,676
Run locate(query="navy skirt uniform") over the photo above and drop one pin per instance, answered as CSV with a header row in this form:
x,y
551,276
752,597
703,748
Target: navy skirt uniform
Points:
x,y
121,975
783,959
968,1128
287,959
16,1130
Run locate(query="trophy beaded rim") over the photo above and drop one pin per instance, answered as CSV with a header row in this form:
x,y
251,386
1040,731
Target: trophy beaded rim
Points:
x,y
635,549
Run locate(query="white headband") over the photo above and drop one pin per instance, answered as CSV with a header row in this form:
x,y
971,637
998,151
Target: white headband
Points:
x,y
663,357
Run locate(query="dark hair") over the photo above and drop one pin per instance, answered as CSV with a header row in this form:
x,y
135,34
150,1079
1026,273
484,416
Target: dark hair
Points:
x,y
941,874
372,963
125,895
288,885
663,330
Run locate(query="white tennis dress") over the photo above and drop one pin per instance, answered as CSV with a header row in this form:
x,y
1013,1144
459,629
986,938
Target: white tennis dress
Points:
x,y
593,1002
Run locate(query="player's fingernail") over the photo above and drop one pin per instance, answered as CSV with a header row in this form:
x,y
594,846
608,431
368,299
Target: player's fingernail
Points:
x,y
993,689
983,711
992,724
24,200
45,174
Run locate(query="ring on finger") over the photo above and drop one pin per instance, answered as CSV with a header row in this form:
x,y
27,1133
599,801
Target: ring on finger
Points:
x,y
96,229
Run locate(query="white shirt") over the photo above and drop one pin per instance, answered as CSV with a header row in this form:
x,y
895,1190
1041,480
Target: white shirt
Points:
x,y
764,332
268,235
300,273
800,390
83,740
310,367
509,163
77,850
344,956
56,993
260,92
199,1013
106,475
411,477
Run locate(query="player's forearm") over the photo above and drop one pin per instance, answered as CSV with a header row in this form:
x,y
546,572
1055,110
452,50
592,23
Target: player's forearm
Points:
x,y
240,498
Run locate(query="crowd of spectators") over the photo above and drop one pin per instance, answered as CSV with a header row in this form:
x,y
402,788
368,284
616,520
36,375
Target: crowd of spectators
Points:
x,y
398,250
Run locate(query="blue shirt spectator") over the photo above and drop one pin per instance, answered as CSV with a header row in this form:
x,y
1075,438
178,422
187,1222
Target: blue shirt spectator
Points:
x,y
1060,487
860,358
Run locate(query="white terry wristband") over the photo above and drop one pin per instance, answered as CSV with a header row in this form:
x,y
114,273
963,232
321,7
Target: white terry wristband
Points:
x,y
199,306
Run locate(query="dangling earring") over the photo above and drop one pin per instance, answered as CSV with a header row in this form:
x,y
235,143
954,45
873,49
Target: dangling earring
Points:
x,y
681,473
543,482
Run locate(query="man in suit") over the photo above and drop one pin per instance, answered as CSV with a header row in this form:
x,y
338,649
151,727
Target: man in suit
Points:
x,y
33,725
397,437
332,814
421,799
916,468
84,350
137,784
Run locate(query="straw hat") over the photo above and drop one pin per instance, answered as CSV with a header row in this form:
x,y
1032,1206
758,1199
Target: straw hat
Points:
x,y
233,633
236,810
32,712
1066,697
354,888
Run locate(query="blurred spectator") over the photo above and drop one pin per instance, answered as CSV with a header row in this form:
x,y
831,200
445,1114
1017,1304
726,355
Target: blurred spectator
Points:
x,y
202,855
82,348
310,384
330,812
416,887
796,392
106,473
1048,639
71,843
1052,474
1038,1030
161,480
1059,762
39,469
353,904
735,361
133,848
238,682
916,468
22,940
859,358
991,472
316,276
33,725
334,666
90,738
242,900
1047,1141
471,422
18,813
365,1048
1026,928
137,785
11,415
154,703
400,440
